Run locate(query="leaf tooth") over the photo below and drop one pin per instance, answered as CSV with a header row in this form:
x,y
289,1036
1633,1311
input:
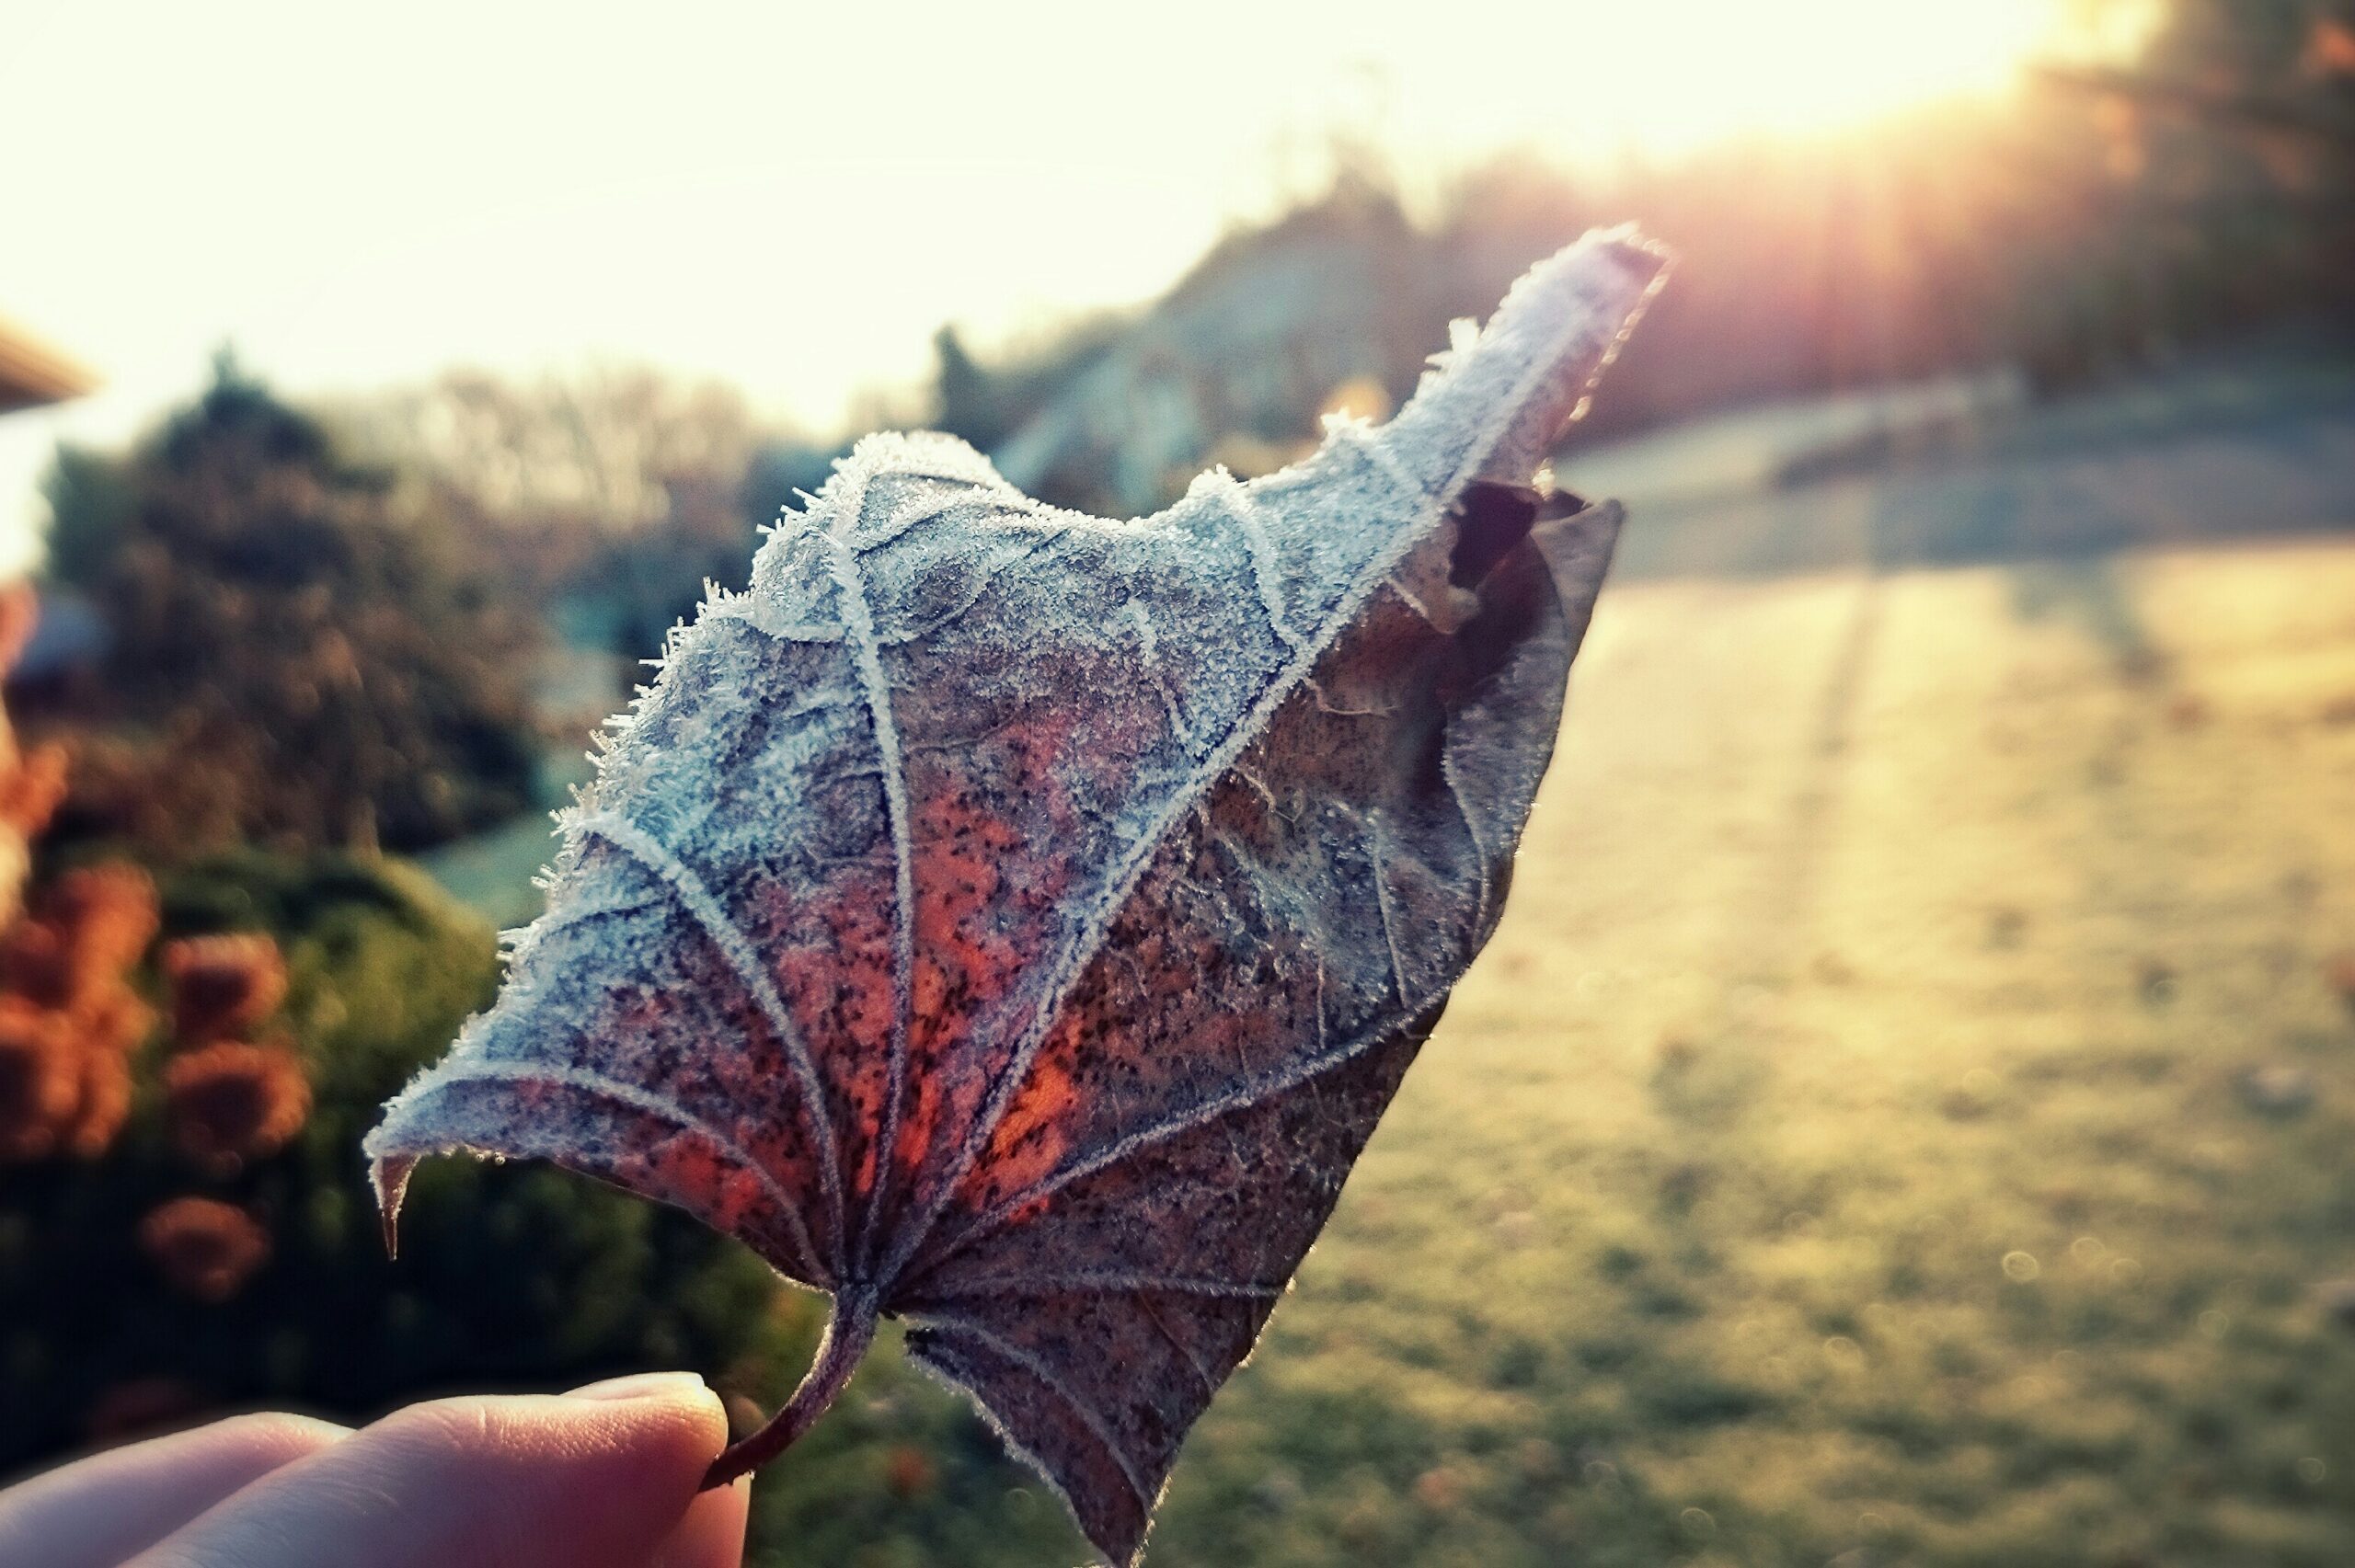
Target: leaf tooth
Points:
x,y
1504,395
634,1097
390,1178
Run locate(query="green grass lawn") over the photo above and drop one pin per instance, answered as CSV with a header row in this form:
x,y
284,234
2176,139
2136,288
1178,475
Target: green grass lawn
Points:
x,y
1902,1119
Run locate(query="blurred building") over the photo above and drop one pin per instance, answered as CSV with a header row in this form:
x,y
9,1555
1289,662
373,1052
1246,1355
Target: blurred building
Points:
x,y
33,374
1335,306
44,643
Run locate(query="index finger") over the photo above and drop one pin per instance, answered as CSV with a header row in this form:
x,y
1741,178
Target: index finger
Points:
x,y
573,1481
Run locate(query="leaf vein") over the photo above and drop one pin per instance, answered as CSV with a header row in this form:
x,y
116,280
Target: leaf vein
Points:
x,y
758,611
1201,1115
1260,548
1089,1416
1185,1352
705,905
1109,1284
1380,861
867,657
653,1104
1076,954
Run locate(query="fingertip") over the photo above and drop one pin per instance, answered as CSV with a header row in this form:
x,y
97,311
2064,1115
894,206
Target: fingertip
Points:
x,y
615,1461
674,1417
637,1385
648,1392
658,1430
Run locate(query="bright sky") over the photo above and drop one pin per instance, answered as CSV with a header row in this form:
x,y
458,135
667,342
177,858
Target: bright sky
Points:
x,y
364,194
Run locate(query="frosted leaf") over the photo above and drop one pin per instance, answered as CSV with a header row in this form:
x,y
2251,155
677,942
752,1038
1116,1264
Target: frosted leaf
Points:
x,y
1014,921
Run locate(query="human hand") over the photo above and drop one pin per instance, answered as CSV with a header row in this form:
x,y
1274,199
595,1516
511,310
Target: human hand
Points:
x,y
603,1477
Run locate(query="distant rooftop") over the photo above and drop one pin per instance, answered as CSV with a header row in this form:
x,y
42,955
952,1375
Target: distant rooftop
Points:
x,y
32,373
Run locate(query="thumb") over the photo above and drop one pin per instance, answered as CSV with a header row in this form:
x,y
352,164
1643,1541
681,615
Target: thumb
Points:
x,y
605,1477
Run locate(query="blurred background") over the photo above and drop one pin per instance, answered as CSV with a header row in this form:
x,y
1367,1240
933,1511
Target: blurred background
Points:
x,y
1904,1118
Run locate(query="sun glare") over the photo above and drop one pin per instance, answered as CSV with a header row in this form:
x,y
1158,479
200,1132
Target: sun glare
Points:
x,y
1074,165
1794,66
1671,77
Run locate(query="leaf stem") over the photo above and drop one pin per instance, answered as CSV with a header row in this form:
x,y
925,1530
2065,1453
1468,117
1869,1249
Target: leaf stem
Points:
x,y
850,1329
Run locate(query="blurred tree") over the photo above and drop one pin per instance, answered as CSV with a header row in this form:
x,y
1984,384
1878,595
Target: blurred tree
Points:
x,y
293,658
967,399
2225,195
785,469
985,403
606,496
90,501
592,449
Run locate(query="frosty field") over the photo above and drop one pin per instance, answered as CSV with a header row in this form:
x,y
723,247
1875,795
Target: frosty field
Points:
x,y
1902,1119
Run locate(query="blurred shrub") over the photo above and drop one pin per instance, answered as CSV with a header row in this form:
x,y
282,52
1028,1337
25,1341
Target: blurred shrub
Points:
x,y
32,784
294,655
214,1244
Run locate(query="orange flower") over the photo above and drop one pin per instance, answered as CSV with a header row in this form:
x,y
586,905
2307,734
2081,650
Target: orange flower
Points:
x,y
223,986
93,924
106,915
32,789
205,1249
102,1103
39,1081
33,964
2330,49
63,1088
233,1102
2338,974
907,1472
19,613
113,1022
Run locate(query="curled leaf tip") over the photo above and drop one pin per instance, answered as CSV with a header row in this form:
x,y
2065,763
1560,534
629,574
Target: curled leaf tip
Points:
x,y
390,1178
